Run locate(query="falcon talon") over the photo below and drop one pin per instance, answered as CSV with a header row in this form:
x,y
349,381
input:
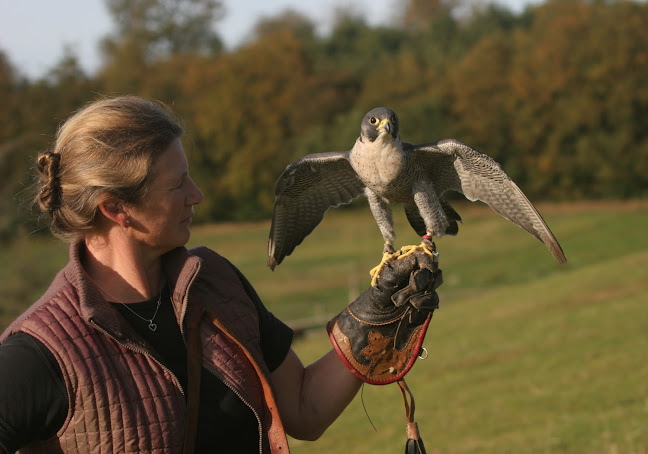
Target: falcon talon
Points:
x,y
375,271
409,250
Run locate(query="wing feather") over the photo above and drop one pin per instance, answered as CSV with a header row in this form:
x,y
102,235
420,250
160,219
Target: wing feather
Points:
x,y
303,193
454,165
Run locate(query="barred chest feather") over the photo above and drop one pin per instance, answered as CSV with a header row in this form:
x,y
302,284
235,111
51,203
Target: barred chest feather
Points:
x,y
379,164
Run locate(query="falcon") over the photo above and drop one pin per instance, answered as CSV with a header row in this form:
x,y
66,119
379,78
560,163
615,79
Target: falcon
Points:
x,y
388,171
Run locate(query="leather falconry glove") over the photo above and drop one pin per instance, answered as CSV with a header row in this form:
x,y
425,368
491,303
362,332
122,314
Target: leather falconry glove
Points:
x,y
379,335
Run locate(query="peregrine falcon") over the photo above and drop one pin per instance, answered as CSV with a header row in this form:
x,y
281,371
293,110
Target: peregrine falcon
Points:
x,y
388,170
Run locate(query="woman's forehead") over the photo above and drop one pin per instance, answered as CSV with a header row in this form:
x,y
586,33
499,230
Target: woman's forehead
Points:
x,y
173,160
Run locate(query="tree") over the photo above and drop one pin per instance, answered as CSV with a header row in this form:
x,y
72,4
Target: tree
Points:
x,y
479,88
419,14
581,98
161,28
151,31
9,96
288,21
245,111
248,110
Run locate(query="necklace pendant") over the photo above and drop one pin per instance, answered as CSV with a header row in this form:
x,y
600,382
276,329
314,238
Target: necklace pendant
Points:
x,y
152,326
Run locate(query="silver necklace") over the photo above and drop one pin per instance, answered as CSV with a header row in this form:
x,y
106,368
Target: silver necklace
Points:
x,y
152,326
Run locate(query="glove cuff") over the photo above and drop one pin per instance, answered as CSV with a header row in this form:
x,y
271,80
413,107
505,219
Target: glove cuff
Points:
x,y
379,354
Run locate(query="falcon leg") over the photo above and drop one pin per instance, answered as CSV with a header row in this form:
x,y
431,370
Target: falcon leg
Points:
x,y
431,211
382,213
388,255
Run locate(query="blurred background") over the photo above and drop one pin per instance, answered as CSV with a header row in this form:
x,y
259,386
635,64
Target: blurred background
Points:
x,y
557,92
526,355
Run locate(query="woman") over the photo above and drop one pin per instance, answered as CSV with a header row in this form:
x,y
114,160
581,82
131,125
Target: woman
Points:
x,y
140,345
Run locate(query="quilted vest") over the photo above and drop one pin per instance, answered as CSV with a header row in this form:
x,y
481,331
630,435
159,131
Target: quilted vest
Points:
x,y
121,397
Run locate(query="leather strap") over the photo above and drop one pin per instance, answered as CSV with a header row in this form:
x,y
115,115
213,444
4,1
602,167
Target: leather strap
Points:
x,y
276,432
414,443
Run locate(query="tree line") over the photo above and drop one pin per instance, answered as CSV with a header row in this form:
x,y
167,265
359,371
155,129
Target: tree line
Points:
x,y
558,94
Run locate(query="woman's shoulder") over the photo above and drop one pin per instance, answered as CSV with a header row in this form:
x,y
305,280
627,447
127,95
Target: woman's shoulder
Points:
x,y
211,259
205,253
59,286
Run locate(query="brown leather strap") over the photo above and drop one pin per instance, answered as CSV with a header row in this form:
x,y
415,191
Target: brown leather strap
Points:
x,y
276,432
414,442
409,408
194,366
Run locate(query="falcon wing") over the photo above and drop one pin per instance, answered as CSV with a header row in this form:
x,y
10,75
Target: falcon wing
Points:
x,y
304,191
454,165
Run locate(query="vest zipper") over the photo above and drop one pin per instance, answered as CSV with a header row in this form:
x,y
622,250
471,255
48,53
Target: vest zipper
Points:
x,y
209,368
185,300
216,374
143,352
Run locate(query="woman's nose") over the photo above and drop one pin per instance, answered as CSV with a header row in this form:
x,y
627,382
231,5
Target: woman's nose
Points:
x,y
196,196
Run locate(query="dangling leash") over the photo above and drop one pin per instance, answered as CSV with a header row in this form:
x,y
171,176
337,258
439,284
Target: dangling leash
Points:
x,y
414,443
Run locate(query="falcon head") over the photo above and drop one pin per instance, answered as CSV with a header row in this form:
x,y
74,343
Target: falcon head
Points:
x,y
379,122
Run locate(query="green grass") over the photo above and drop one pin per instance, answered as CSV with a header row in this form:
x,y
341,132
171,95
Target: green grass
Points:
x,y
27,267
526,356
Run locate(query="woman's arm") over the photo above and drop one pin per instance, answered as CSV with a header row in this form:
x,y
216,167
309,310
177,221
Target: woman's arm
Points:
x,y
311,398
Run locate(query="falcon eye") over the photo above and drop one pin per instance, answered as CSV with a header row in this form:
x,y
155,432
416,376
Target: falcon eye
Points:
x,y
373,120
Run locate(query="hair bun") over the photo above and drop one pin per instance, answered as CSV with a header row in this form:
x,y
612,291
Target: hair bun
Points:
x,y
49,198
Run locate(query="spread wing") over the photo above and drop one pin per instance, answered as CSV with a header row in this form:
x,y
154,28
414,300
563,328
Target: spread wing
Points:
x,y
454,165
304,191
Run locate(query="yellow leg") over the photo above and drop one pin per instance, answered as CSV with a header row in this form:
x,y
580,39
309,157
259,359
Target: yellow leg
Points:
x,y
427,246
388,255
409,250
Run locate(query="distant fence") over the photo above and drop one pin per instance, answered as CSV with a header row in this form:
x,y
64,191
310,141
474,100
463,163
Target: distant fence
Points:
x,y
302,326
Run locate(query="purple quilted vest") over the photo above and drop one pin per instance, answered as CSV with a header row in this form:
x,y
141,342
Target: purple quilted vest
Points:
x,y
122,399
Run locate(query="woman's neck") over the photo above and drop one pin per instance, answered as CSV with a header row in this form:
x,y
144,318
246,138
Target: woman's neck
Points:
x,y
122,271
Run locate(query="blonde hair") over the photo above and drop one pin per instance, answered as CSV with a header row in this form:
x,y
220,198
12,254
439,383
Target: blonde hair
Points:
x,y
109,146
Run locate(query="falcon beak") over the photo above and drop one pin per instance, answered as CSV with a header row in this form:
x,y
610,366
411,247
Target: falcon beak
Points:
x,y
386,125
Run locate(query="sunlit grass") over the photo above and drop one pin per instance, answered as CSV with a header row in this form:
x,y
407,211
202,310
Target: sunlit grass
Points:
x,y
526,356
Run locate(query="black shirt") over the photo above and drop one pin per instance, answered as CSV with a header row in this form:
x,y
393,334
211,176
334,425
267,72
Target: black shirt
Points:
x,y
33,398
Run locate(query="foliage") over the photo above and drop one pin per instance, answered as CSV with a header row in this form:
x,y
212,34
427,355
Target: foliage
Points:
x,y
558,93
160,28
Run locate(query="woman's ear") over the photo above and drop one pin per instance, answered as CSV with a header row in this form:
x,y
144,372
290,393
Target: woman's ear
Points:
x,y
113,209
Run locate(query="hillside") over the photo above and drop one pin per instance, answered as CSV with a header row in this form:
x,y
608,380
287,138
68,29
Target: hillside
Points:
x,y
526,356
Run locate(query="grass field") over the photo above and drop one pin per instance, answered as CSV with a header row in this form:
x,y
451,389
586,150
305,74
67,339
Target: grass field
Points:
x,y
526,356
